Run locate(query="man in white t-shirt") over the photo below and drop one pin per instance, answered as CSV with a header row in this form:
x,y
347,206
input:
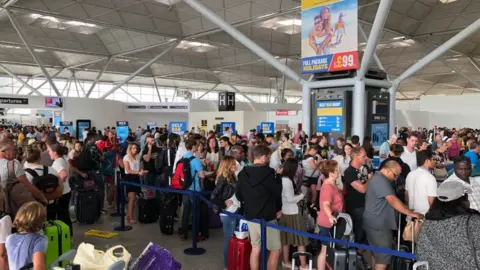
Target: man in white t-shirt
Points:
x,y
421,185
238,152
409,156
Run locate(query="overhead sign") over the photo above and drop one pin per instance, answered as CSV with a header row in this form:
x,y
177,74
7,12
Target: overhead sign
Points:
x,y
330,116
122,130
158,107
267,127
16,101
329,35
177,127
379,134
151,125
285,113
227,129
226,101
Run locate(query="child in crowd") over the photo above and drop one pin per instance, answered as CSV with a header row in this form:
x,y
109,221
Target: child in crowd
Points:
x,y
27,246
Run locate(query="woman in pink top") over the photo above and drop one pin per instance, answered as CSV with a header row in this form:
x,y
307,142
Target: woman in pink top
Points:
x,y
331,201
454,149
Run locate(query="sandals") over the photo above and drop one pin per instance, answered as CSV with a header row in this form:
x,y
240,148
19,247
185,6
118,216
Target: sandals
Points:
x,y
131,221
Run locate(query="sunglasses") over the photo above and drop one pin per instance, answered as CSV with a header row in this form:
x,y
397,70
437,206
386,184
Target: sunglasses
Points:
x,y
395,174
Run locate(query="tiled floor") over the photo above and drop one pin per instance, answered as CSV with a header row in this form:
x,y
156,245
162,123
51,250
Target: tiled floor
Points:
x,y
141,234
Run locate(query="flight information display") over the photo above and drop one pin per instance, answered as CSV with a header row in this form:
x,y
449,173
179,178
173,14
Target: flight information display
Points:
x,y
330,116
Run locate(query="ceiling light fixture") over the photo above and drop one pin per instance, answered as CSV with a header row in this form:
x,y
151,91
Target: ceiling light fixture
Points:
x,y
399,38
77,23
290,22
447,1
50,18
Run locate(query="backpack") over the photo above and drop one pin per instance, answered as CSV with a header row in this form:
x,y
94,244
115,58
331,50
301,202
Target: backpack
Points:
x,y
16,194
47,183
85,161
161,160
182,178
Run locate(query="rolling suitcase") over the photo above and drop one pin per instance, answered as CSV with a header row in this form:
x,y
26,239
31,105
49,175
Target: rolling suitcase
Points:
x,y
402,263
166,224
341,258
239,254
88,206
168,210
147,210
300,254
58,234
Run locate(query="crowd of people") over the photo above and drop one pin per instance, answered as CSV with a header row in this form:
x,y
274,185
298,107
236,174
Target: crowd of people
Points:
x,y
299,182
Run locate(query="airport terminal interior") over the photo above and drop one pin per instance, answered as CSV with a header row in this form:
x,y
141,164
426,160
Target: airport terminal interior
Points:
x,y
292,74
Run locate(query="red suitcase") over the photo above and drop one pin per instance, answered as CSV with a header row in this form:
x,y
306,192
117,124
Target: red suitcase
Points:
x,y
239,254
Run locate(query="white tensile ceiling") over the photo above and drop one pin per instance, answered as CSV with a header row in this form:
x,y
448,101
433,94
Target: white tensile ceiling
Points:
x,y
66,33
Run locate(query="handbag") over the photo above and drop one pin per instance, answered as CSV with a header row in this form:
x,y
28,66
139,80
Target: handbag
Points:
x,y
412,230
472,244
91,259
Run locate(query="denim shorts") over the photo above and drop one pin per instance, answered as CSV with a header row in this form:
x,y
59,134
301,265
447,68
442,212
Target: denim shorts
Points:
x,y
324,231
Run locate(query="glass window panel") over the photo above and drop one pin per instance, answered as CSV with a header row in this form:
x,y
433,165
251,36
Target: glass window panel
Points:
x,y
147,90
133,89
45,92
144,98
120,96
6,89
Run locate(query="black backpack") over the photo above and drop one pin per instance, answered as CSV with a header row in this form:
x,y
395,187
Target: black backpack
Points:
x,y
85,161
161,160
46,183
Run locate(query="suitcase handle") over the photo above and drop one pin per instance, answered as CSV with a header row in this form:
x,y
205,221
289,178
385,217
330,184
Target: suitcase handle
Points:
x,y
421,265
300,254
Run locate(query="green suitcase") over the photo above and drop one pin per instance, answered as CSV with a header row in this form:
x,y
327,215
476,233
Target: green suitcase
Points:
x,y
58,234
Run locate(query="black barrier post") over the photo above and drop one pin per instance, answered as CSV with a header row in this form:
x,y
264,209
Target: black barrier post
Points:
x,y
118,213
263,245
194,250
121,198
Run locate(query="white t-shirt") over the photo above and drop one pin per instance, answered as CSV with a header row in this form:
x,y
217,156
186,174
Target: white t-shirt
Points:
x,y
134,163
5,228
410,158
308,171
17,167
39,170
58,165
275,161
240,166
420,185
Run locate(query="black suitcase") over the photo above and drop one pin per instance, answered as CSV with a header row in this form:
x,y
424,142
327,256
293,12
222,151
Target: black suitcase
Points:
x,y
166,224
87,206
402,263
147,210
341,258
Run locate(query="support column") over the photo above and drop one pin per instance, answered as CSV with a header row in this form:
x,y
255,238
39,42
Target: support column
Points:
x,y
393,109
359,121
306,109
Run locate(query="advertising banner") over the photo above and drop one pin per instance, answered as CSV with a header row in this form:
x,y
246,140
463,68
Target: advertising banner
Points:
x,y
122,130
231,129
66,127
267,127
81,126
330,116
151,125
329,35
177,127
379,134
57,118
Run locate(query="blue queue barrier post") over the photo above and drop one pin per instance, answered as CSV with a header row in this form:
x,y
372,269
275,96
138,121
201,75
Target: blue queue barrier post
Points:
x,y
263,245
118,213
121,199
194,250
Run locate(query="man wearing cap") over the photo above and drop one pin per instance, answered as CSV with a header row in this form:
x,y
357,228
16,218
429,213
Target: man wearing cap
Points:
x,y
462,168
380,217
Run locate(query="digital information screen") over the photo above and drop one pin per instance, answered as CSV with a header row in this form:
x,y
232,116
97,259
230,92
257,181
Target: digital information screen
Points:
x,y
330,116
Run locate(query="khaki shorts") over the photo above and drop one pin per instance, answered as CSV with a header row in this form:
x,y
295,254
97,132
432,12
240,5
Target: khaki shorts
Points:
x,y
273,236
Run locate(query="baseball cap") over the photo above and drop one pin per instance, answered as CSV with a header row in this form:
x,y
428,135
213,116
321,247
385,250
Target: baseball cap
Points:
x,y
444,138
452,190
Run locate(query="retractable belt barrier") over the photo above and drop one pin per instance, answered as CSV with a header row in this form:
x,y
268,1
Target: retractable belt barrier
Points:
x,y
194,250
